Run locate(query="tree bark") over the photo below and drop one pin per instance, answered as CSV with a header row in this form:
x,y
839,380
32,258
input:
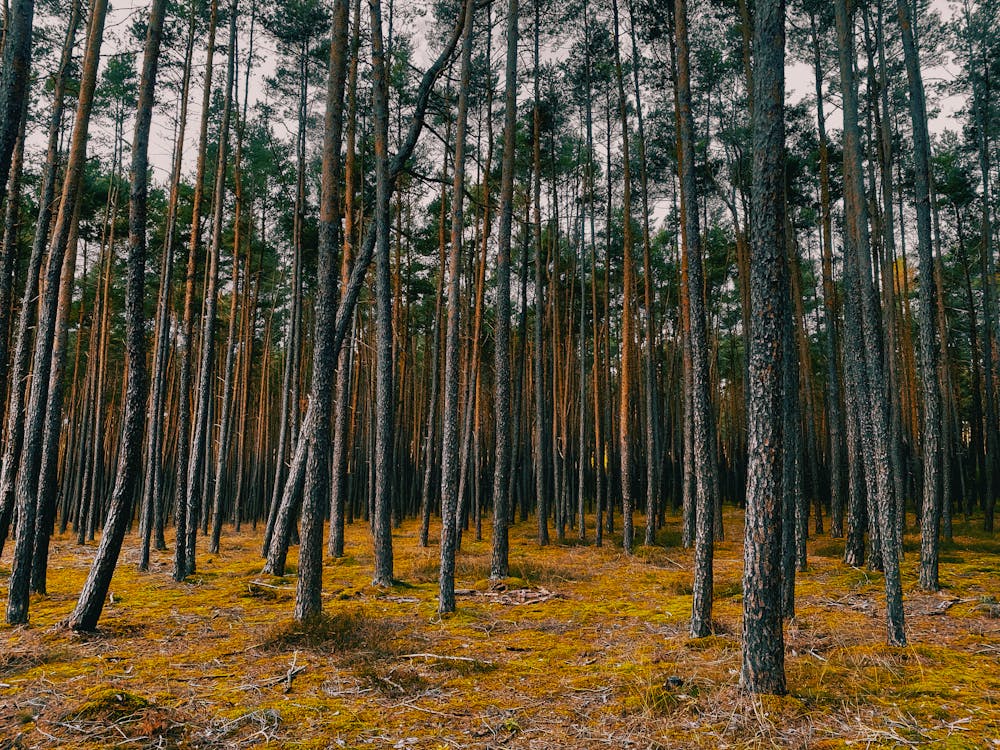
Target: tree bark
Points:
x,y
15,74
541,431
763,640
628,283
835,441
220,485
185,514
31,455
21,362
383,459
866,345
702,427
308,602
151,519
338,485
449,446
200,444
499,566
931,433
91,602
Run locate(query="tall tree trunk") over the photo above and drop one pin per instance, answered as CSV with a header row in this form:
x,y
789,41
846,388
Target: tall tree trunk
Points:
x,y
21,362
8,277
220,485
185,514
449,445
151,519
31,454
649,364
628,283
835,439
944,377
384,397
541,436
283,507
308,602
430,440
790,444
499,567
338,487
202,425
702,427
473,381
52,427
91,601
981,101
866,344
931,508
9,257
895,323
763,641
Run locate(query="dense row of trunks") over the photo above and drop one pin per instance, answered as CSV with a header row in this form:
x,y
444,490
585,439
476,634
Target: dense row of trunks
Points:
x,y
347,400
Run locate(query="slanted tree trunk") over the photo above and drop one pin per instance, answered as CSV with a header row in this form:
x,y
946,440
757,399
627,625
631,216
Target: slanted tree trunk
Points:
x,y
284,508
52,427
931,433
8,259
151,519
31,454
91,601
18,366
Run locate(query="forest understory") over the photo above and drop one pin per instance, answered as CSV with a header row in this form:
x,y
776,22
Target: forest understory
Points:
x,y
582,647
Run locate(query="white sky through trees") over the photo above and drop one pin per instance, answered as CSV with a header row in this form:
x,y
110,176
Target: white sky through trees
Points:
x,y
412,19
118,40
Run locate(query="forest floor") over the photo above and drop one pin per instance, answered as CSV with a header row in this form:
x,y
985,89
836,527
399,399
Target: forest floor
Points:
x,y
585,648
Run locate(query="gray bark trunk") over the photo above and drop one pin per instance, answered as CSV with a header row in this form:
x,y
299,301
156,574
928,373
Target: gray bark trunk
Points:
x,y
763,640
91,601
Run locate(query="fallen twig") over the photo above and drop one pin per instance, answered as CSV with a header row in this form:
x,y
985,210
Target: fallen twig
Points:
x,y
445,657
270,586
520,596
292,671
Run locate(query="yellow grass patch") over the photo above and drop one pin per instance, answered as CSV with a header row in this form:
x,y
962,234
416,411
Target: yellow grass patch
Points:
x,y
581,647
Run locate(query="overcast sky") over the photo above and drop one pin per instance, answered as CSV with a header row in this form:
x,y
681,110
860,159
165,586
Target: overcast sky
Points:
x,y
799,82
